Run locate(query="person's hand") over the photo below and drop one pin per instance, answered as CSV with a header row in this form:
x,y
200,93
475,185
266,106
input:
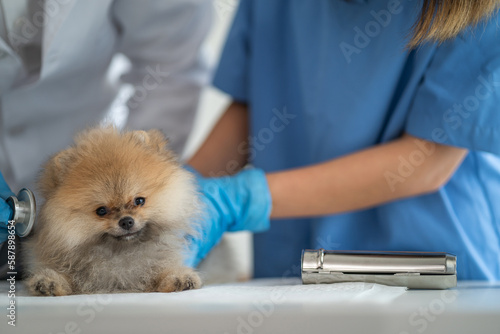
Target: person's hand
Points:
x,y
232,203
5,210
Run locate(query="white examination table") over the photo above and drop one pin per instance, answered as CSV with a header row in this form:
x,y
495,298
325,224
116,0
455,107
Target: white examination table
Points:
x,y
263,306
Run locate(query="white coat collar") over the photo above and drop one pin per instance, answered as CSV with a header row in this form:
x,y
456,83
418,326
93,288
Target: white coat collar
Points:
x,y
55,14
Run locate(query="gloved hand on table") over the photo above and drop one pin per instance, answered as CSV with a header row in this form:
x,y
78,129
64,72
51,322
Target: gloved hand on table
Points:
x,y
5,210
231,203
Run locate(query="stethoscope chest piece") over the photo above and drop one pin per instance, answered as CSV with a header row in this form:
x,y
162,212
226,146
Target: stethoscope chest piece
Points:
x,y
24,208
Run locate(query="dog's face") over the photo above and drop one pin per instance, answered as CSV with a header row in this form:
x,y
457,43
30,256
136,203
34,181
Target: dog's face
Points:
x,y
115,188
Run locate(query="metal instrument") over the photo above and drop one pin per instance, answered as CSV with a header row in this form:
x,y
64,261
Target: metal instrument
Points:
x,y
24,211
414,270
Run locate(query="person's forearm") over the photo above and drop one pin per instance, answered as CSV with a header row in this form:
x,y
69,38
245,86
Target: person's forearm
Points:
x,y
223,152
402,168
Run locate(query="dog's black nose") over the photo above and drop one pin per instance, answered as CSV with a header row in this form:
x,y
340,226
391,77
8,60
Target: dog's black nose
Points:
x,y
126,223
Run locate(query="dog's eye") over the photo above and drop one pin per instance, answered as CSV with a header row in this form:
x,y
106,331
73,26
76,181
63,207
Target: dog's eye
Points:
x,y
101,211
139,201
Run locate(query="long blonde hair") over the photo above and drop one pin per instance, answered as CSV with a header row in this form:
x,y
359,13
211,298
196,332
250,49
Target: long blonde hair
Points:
x,y
441,20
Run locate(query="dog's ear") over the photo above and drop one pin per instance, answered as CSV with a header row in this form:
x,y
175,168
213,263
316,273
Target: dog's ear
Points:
x,y
153,139
54,170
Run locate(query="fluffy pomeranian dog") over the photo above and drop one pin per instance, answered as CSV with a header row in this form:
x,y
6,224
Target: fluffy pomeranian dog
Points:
x,y
117,209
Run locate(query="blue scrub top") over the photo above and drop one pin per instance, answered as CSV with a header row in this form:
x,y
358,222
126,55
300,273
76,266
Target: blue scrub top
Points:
x,y
326,78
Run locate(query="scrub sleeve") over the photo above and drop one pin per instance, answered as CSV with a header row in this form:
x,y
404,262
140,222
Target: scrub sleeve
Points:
x,y
458,101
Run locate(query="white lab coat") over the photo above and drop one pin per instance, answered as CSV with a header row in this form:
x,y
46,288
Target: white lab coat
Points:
x,y
162,39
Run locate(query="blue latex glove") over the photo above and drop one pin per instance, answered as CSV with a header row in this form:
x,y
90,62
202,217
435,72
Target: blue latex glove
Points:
x,y
5,210
232,203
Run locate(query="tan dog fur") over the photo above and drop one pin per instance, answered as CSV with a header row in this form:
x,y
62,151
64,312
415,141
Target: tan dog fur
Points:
x,y
76,251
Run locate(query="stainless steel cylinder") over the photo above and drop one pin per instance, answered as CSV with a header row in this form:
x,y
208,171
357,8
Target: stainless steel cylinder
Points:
x,y
416,270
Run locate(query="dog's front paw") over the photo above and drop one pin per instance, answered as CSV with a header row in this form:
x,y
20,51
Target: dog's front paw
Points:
x,y
178,280
48,282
